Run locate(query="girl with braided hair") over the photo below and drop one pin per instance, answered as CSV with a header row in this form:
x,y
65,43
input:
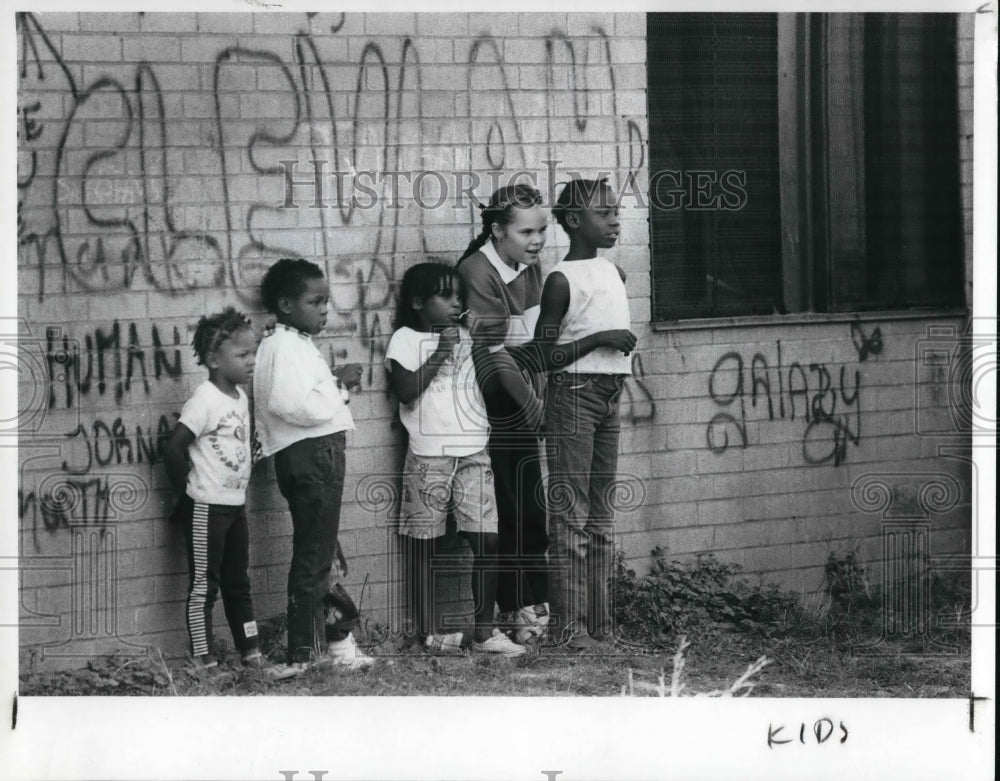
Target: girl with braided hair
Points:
x,y
502,278
214,435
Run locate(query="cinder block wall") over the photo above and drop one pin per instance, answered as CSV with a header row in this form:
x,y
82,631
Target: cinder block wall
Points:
x,y
151,190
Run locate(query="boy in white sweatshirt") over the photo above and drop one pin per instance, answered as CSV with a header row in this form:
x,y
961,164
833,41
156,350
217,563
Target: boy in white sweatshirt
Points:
x,y
302,415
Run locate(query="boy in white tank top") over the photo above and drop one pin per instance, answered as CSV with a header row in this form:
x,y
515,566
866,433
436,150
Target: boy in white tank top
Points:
x,y
583,338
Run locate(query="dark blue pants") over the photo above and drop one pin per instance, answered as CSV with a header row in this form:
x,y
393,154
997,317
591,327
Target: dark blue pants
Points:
x,y
311,478
521,521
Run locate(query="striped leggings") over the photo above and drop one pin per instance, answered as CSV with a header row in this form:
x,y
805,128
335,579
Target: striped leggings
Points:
x,y
218,550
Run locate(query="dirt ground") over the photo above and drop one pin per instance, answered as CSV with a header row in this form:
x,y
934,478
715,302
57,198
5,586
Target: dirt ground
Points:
x,y
820,667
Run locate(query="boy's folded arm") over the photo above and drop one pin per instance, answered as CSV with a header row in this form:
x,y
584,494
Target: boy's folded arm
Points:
x,y
294,391
542,354
306,406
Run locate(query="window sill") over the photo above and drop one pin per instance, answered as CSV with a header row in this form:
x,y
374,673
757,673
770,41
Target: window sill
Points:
x,y
804,318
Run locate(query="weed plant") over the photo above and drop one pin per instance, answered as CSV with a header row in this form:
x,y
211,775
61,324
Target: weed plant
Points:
x,y
705,596
695,598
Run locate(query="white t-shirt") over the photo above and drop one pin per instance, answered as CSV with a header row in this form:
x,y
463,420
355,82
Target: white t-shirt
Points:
x,y
449,417
220,453
598,302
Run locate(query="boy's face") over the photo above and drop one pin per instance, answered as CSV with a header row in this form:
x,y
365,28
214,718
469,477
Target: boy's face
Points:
x,y
306,311
234,358
597,224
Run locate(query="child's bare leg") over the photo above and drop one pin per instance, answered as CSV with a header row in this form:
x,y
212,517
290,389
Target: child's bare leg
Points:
x,y
420,582
484,581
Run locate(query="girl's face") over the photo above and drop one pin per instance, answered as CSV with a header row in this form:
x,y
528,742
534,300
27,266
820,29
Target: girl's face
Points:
x,y
521,239
440,310
597,224
234,358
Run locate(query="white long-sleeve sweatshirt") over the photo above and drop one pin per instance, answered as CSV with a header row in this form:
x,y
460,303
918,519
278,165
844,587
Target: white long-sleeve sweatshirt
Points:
x,y
295,394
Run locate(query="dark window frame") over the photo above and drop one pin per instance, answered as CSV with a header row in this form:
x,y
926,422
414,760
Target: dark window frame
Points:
x,y
832,250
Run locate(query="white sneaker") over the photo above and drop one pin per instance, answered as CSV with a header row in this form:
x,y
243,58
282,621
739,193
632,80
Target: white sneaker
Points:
x,y
280,672
499,643
444,644
347,654
531,622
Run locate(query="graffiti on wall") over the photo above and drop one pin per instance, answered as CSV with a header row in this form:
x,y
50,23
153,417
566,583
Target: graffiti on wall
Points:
x,y
64,503
638,405
108,366
109,360
122,189
824,399
104,201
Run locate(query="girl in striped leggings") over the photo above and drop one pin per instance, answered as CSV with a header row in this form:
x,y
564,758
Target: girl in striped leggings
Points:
x,y
213,433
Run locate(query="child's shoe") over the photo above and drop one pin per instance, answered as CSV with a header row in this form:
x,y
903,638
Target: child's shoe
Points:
x,y
205,666
444,644
274,672
531,622
499,643
347,654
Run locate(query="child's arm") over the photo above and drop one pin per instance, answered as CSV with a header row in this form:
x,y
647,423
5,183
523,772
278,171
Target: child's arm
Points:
x,y
175,457
542,354
495,369
296,401
408,385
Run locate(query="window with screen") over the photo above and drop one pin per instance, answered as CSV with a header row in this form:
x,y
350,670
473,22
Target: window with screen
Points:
x,y
803,163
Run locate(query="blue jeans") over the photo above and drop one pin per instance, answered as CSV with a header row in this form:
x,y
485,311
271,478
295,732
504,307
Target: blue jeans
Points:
x,y
582,432
310,476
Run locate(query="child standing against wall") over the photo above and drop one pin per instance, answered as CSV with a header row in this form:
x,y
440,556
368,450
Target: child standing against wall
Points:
x,y
302,420
214,433
502,281
447,466
584,296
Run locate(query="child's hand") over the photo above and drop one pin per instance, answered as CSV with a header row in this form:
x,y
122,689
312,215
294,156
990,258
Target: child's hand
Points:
x,y
349,374
256,451
620,339
449,338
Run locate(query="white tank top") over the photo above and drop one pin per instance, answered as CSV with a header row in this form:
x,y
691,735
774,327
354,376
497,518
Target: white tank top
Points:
x,y
597,302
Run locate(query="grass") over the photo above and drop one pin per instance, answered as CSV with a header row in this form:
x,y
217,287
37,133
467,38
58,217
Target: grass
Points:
x,y
689,628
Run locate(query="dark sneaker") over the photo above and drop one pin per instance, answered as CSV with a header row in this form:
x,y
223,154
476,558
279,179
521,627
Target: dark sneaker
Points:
x,y
271,671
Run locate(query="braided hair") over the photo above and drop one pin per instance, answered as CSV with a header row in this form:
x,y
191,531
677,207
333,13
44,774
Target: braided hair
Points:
x,y
213,330
500,211
576,195
422,281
